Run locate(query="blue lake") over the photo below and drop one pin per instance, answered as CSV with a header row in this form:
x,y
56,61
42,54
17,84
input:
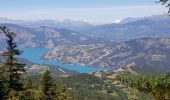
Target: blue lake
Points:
x,y
34,55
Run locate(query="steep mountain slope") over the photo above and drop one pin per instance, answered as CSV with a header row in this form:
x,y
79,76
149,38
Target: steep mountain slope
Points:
x,y
141,51
48,37
131,28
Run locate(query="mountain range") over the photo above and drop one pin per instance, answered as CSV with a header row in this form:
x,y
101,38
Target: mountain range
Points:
x,y
126,29
137,52
47,37
66,24
131,28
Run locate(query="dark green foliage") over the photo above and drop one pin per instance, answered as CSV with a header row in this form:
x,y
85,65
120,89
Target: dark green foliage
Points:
x,y
4,90
28,83
89,87
12,68
47,84
165,2
147,70
32,94
158,86
49,88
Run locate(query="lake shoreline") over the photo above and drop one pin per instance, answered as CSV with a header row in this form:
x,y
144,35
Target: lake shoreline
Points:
x,y
35,55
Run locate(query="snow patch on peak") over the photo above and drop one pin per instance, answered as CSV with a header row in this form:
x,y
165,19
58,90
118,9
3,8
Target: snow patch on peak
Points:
x,y
117,21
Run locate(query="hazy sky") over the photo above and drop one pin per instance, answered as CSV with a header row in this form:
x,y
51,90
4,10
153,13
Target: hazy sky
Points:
x,y
94,11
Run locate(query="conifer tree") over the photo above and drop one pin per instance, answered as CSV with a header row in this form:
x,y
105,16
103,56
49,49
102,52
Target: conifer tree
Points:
x,y
165,2
12,68
47,85
50,89
4,90
28,83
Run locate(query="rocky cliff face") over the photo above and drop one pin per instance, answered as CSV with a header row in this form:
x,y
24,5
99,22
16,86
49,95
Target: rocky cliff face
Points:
x,y
141,51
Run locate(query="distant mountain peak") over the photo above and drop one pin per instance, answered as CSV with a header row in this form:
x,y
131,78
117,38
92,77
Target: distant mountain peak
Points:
x,y
117,21
153,17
